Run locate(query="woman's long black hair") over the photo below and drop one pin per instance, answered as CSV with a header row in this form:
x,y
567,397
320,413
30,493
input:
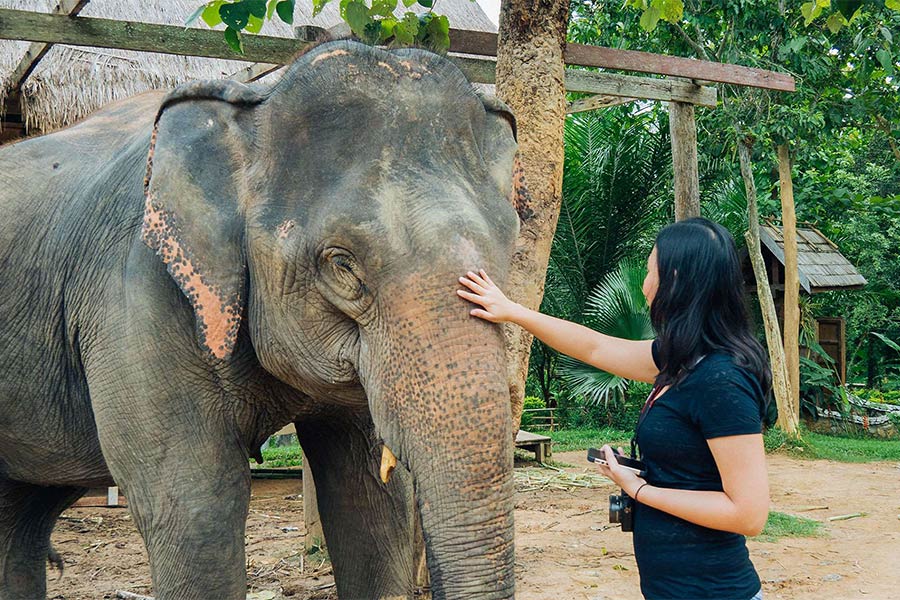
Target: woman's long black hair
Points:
x,y
699,307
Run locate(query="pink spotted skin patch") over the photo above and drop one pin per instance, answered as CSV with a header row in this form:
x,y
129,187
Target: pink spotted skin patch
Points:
x,y
218,316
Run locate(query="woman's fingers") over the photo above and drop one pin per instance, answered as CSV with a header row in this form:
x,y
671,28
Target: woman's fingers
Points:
x,y
472,285
477,278
483,314
472,297
484,276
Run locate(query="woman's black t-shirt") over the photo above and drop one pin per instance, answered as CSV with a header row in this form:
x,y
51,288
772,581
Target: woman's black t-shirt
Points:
x,y
678,559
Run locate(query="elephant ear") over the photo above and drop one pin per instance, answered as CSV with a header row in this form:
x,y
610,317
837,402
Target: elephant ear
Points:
x,y
499,149
192,216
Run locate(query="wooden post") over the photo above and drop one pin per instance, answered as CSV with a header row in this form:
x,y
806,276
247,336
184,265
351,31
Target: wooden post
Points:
x,y
786,419
683,132
791,279
315,536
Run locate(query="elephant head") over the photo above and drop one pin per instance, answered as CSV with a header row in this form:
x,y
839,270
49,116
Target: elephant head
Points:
x,y
332,214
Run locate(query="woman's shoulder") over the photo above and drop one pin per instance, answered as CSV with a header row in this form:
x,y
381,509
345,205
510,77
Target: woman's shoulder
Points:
x,y
720,368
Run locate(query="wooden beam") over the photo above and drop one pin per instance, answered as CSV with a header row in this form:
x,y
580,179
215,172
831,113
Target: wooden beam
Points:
x,y
683,133
628,86
169,39
596,102
485,44
37,50
142,37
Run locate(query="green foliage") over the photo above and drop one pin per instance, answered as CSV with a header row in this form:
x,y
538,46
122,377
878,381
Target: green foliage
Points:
x,y
780,525
373,23
569,440
282,456
654,10
616,307
843,448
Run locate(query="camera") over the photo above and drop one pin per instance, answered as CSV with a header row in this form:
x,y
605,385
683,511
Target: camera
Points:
x,y
621,510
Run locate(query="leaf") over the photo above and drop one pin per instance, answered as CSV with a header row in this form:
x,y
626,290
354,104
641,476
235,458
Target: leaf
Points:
x,y
318,5
892,4
383,8
884,57
810,10
211,13
233,37
438,33
387,28
406,29
256,8
254,25
271,9
887,341
847,8
235,15
650,18
426,3
887,35
835,22
357,17
670,10
194,16
408,3
285,10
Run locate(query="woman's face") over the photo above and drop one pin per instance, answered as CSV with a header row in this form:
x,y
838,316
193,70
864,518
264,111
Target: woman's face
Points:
x,y
651,281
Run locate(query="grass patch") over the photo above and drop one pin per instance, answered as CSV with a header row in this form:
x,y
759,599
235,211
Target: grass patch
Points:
x,y
568,440
780,525
832,447
281,456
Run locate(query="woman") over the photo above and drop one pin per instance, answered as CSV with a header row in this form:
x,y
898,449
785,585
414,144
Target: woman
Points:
x,y
700,431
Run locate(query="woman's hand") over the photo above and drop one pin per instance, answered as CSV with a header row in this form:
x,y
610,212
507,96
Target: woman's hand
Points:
x,y
624,478
495,306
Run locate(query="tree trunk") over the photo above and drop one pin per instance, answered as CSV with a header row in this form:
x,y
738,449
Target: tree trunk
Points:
x,y
683,131
786,419
791,279
530,79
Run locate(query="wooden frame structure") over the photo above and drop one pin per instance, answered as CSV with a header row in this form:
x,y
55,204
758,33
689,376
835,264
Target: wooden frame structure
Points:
x,y
473,52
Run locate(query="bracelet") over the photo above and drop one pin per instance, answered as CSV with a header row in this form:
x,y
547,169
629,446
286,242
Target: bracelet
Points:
x,y
638,491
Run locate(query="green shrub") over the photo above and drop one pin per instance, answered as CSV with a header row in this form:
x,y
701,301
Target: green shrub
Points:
x,y
530,402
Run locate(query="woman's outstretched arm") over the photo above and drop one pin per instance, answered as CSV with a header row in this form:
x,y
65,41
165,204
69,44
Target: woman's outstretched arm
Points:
x,y
626,358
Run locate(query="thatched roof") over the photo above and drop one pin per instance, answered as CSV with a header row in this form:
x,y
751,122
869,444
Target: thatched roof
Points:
x,y
71,82
822,266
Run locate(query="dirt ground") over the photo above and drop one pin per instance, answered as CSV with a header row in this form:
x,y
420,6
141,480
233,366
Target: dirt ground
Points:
x,y
564,548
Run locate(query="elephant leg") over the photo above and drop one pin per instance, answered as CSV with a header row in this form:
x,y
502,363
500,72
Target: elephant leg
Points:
x,y
27,515
190,506
369,526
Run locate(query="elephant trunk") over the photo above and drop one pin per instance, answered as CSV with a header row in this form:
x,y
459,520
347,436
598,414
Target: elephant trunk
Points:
x,y
437,389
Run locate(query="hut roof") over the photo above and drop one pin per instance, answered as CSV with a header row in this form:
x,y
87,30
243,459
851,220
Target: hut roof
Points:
x,y
71,82
822,266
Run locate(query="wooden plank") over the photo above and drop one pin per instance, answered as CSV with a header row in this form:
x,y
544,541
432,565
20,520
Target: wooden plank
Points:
x,y
524,437
37,50
168,39
142,37
596,102
683,134
483,43
629,86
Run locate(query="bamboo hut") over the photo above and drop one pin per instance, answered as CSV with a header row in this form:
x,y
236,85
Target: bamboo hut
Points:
x,y
70,82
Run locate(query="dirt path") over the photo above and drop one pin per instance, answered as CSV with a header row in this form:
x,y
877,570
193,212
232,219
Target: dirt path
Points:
x,y
564,549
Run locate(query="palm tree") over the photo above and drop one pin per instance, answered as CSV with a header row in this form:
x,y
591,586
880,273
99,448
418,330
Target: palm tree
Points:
x,y
616,307
615,196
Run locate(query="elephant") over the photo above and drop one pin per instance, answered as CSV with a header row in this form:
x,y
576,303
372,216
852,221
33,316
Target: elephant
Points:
x,y
184,273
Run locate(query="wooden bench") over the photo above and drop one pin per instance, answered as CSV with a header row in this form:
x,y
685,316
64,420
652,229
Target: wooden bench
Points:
x,y
539,444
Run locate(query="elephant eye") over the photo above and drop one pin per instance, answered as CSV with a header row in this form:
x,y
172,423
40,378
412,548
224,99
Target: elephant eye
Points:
x,y
343,272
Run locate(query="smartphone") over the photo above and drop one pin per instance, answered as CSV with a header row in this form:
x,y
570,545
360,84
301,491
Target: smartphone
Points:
x,y
635,466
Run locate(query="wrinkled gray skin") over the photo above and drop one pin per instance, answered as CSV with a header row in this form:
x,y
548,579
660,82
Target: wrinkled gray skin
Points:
x,y
296,261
